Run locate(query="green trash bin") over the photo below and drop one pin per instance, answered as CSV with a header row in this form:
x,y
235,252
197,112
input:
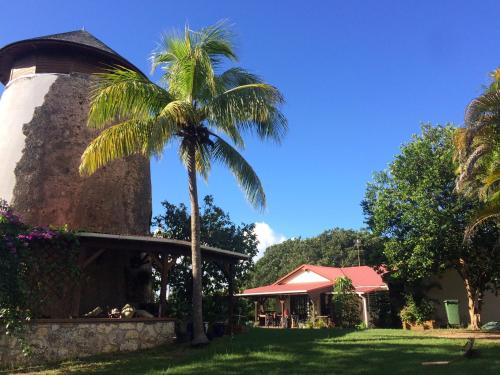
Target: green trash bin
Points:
x,y
451,306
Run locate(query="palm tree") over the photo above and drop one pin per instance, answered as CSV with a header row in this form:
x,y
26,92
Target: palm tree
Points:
x,y
478,151
196,106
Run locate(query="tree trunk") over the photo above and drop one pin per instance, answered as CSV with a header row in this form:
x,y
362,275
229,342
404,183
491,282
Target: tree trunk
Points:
x,y
198,331
474,305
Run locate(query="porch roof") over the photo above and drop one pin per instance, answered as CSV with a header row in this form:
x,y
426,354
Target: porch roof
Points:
x,y
304,288
299,288
117,242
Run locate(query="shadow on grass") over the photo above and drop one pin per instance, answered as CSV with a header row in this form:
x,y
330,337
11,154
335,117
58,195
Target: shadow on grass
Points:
x,y
299,352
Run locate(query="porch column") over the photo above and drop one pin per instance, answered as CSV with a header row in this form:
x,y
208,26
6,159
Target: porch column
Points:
x,y
365,310
283,321
256,319
163,264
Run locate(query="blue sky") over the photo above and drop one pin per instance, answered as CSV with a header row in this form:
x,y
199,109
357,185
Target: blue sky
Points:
x,y
359,78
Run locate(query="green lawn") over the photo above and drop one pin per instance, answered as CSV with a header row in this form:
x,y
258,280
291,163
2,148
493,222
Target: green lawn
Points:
x,y
334,351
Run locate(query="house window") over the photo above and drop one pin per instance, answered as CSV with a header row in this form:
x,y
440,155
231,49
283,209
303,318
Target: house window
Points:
x,y
298,306
326,304
270,304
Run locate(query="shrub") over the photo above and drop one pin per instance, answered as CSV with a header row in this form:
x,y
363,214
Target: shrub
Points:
x,y
33,261
416,313
346,309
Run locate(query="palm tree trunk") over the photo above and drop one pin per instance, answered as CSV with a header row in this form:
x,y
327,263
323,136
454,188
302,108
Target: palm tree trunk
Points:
x,y
198,331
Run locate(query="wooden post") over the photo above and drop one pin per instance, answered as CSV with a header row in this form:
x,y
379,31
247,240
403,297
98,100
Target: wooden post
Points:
x,y
230,290
256,320
164,264
77,291
163,290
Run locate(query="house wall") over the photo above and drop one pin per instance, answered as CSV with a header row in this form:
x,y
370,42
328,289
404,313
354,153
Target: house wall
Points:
x,y
305,276
451,286
62,340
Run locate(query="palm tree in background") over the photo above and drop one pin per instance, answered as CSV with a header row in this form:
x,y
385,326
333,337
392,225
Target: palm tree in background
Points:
x,y
478,151
196,107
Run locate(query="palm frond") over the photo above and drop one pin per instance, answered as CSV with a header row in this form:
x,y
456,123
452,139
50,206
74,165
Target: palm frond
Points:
x,y
164,129
203,74
216,41
468,165
490,212
252,107
189,60
203,162
477,148
203,155
121,94
492,178
118,141
488,103
171,49
146,137
181,112
234,77
243,172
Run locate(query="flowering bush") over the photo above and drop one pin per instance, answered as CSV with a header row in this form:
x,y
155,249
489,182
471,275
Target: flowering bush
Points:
x,y
31,260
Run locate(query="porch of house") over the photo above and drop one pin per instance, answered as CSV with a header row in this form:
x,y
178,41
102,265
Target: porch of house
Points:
x,y
294,310
115,270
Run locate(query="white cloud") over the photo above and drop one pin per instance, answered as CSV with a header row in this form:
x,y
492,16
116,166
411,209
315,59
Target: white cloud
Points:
x,y
267,237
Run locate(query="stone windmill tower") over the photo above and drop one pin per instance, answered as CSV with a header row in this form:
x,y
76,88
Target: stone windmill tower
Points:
x,y
43,132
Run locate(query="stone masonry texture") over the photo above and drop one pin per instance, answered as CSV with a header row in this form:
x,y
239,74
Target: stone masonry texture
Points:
x,y
49,189
61,341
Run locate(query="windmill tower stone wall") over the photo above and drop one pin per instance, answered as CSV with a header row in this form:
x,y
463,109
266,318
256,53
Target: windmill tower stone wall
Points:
x,y
43,132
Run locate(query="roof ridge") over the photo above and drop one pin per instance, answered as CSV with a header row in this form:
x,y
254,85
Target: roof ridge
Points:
x,y
80,37
81,40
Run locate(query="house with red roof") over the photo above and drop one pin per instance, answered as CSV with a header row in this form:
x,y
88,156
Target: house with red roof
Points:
x,y
310,286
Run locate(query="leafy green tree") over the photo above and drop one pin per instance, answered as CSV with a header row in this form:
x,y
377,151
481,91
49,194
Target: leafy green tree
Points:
x,y
195,108
217,230
478,151
414,206
346,303
336,247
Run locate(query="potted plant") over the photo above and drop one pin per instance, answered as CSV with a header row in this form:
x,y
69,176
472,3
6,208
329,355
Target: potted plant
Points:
x,y
417,316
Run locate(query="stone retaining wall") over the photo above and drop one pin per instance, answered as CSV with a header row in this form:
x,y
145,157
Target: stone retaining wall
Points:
x,y
55,340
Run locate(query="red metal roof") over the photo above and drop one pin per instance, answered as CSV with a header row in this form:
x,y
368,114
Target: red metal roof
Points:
x,y
364,279
360,275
